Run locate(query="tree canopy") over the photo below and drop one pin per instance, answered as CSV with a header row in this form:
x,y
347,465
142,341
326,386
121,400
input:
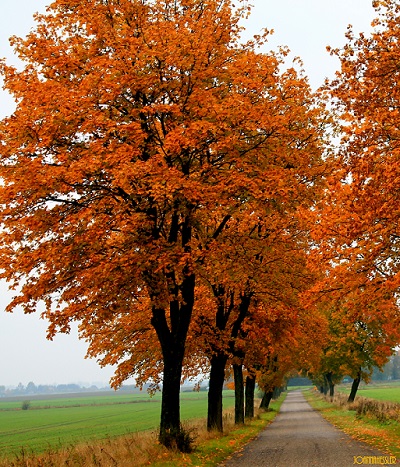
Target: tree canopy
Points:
x,y
143,132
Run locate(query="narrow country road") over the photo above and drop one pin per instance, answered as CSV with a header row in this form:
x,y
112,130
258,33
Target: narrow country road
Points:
x,y
299,436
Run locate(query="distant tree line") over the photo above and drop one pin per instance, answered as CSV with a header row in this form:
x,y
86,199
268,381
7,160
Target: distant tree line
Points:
x,y
32,389
391,371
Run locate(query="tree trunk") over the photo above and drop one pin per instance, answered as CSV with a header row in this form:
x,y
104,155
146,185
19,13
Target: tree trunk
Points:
x,y
331,385
170,404
354,387
216,386
239,394
172,335
325,386
249,396
266,400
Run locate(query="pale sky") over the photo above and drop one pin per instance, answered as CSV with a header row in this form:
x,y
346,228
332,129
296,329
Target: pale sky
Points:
x,y
305,26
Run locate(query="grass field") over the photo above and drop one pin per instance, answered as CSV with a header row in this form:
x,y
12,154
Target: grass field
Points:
x,y
142,449
381,394
56,422
71,400
388,392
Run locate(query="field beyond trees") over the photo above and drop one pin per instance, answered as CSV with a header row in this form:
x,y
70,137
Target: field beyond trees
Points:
x,y
59,422
385,391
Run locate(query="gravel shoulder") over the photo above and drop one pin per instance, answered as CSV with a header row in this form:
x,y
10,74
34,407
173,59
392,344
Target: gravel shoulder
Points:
x,y
300,436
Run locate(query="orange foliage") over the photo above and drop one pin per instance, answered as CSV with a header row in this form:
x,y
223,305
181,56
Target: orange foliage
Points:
x,y
358,220
134,143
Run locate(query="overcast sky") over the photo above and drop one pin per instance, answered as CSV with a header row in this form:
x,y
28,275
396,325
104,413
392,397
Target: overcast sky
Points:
x,y
305,26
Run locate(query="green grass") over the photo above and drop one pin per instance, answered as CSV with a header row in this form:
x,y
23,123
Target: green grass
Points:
x,y
53,423
71,401
141,448
387,394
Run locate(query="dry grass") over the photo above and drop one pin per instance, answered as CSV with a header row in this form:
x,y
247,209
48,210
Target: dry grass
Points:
x,y
384,412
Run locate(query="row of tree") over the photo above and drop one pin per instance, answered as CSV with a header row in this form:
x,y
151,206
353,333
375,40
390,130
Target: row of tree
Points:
x,y
173,190
357,226
31,389
391,371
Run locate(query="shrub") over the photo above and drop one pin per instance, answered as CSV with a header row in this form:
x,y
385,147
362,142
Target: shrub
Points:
x,y
183,441
26,405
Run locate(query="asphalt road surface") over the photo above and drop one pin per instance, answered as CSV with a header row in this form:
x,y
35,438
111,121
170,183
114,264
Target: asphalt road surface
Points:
x,y
298,437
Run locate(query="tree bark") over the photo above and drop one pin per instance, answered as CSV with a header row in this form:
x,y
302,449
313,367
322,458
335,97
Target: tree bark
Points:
x,y
220,357
216,385
249,396
239,394
170,404
325,386
354,387
172,335
265,401
331,385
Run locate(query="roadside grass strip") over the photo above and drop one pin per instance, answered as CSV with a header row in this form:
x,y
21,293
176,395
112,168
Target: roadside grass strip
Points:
x,y
384,435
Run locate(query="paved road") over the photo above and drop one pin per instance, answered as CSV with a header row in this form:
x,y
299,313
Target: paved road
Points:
x,y
298,437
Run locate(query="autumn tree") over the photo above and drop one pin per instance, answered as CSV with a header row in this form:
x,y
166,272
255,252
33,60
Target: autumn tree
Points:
x,y
254,319
357,227
127,131
359,222
239,318
136,124
365,335
261,252
361,333
290,339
